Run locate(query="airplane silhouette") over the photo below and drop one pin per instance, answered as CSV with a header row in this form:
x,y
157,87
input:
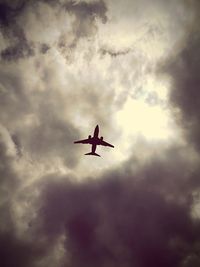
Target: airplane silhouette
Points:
x,y
94,141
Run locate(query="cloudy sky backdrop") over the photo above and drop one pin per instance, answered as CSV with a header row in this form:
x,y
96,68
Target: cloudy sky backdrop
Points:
x,y
132,67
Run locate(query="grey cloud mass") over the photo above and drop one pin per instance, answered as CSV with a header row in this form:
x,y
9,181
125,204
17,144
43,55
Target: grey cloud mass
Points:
x,y
184,70
65,67
123,219
83,26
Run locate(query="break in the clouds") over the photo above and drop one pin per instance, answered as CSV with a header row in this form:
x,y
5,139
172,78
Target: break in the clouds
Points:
x,y
132,68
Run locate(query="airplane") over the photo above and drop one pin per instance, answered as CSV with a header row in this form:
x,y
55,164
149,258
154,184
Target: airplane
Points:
x,y
94,141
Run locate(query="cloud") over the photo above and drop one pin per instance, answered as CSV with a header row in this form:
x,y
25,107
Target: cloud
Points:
x,y
16,16
38,126
16,252
13,250
113,53
67,66
84,11
9,180
9,11
123,218
183,70
19,47
16,24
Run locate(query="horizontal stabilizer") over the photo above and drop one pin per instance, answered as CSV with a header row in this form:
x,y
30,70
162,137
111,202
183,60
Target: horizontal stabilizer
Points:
x,y
93,154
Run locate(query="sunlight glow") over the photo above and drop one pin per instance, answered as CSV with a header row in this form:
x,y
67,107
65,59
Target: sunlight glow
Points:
x,y
139,118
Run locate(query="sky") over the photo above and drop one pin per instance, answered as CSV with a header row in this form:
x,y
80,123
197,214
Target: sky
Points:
x,y
132,67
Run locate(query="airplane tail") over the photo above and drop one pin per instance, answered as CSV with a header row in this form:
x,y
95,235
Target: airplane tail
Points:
x,y
93,154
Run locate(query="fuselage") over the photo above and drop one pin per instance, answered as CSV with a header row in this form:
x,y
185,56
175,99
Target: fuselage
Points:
x,y
96,132
95,139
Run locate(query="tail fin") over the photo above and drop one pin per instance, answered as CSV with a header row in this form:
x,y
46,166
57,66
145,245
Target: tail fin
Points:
x,y
93,154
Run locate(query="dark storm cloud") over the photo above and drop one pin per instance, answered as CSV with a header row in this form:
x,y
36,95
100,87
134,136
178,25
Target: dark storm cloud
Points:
x,y
185,95
19,47
124,218
9,10
83,10
13,251
16,252
86,14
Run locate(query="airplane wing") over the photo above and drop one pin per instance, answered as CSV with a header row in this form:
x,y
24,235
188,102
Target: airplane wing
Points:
x,y
103,143
84,141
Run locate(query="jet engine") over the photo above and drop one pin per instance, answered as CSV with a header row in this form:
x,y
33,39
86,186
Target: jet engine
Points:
x,y
89,136
101,138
